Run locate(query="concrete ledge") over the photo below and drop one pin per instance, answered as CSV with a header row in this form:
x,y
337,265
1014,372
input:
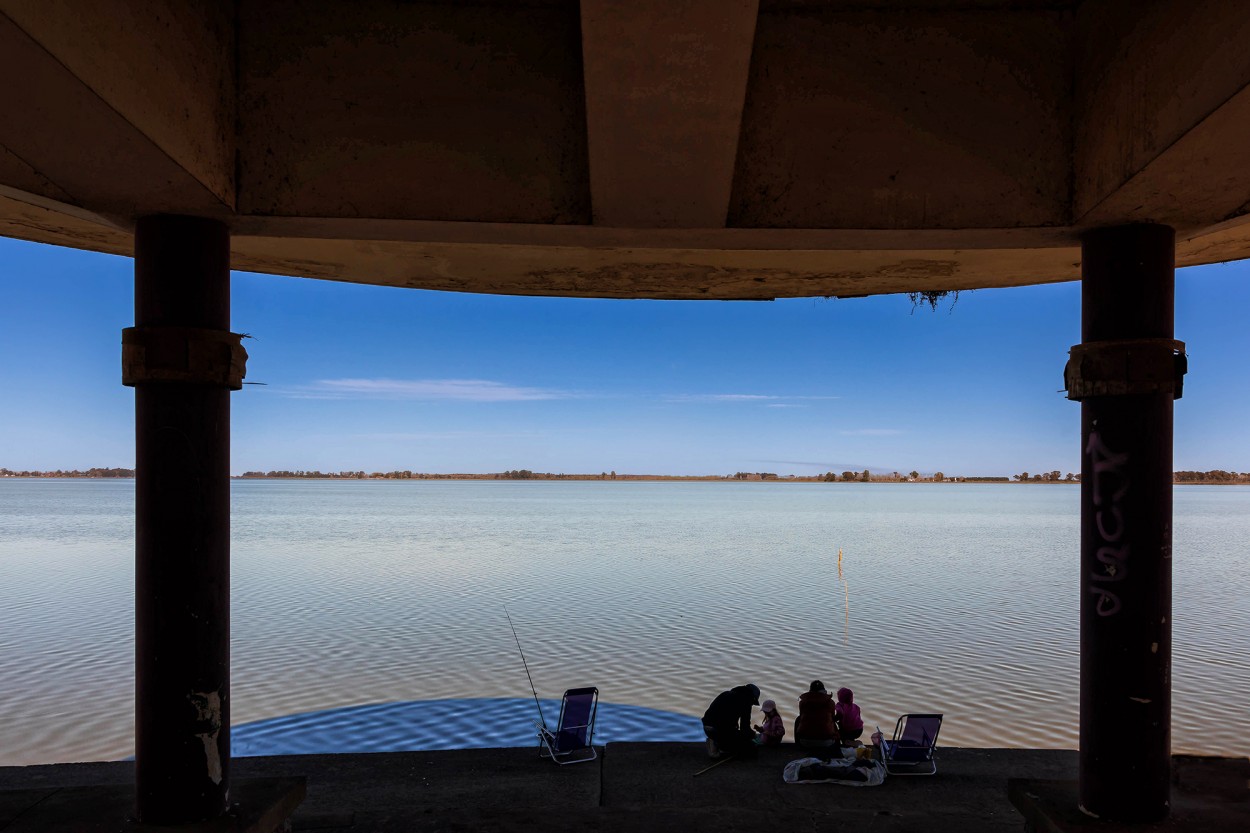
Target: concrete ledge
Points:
x,y
1208,794
259,805
632,786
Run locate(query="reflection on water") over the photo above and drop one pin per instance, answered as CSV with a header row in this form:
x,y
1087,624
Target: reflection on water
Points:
x,y
445,724
959,599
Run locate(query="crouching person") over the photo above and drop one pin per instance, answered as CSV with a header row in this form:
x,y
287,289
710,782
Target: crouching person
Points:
x,y
727,722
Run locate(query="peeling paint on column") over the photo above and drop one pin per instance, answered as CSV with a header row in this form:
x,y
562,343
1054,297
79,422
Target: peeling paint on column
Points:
x,y
208,718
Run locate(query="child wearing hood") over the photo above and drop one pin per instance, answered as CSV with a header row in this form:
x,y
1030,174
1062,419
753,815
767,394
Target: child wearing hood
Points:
x,y
847,716
772,730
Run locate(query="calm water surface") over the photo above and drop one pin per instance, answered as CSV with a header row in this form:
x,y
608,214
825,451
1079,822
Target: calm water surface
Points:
x,y
370,614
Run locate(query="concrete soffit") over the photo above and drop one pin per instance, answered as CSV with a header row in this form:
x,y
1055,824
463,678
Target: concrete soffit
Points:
x,y
681,149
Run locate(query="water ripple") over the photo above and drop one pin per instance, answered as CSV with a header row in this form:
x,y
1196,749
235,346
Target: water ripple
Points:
x,y
961,600
445,724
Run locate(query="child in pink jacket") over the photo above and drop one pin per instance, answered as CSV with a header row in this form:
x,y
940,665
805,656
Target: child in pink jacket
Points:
x,y
846,713
772,730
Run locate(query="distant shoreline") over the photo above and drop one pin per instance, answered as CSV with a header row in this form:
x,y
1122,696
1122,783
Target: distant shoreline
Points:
x,y
1184,478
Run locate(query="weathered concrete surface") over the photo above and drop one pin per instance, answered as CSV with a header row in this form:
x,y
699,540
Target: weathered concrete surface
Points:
x,y
73,146
164,66
943,119
632,786
665,83
260,805
1207,794
439,111
1149,74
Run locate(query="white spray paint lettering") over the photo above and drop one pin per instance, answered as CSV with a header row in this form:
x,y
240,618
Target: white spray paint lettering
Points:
x,y
1110,484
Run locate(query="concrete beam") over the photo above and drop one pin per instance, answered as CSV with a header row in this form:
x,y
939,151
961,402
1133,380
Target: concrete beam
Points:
x,y
616,263
165,67
1200,180
64,142
1229,240
412,110
1161,110
30,217
905,119
665,83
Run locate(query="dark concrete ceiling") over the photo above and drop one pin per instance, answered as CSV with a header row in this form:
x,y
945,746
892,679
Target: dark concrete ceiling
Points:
x,y
650,148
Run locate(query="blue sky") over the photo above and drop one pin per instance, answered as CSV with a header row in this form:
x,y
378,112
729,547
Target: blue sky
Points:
x,y
362,377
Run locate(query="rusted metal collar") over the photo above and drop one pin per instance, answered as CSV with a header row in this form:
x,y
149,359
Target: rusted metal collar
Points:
x,y
183,356
1125,368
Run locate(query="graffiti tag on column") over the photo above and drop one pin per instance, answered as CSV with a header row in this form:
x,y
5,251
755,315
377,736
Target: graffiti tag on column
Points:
x,y
1110,484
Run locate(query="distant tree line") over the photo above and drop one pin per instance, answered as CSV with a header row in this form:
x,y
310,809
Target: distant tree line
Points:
x,y
511,474
302,474
71,473
866,476
1215,476
320,475
526,474
1046,477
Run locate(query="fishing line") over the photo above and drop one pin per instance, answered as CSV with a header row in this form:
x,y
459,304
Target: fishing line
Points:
x,y
527,667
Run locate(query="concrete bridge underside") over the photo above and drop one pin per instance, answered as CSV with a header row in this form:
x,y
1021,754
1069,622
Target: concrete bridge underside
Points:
x,y
659,149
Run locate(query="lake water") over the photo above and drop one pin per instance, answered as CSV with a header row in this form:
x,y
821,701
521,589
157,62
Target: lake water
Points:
x,y
369,615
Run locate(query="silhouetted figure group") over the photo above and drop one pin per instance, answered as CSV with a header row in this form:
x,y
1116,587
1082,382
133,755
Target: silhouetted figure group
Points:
x,y
821,722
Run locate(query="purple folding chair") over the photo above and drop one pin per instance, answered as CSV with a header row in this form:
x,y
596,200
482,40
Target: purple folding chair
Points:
x,y
910,751
571,741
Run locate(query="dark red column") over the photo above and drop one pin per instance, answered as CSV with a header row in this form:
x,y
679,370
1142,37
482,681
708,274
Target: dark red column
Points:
x,y
182,508
1126,373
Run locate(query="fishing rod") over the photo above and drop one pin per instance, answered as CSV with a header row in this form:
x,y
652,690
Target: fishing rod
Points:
x,y
527,667
723,760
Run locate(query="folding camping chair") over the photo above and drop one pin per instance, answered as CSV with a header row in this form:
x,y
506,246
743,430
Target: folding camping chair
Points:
x,y
910,751
571,740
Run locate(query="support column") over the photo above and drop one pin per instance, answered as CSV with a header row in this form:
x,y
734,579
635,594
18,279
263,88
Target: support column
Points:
x,y
174,358
1126,373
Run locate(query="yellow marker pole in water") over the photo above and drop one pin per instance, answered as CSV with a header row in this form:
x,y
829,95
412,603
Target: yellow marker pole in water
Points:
x,y
846,598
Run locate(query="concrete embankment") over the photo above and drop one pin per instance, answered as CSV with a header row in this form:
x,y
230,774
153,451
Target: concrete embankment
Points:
x,y
632,786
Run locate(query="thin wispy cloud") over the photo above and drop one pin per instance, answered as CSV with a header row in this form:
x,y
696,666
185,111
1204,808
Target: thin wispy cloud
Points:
x,y
784,405
721,397
871,432
457,390
817,464
399,437
761,398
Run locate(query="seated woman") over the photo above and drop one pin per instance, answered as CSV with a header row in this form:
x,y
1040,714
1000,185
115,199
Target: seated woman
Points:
x,y
815,728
